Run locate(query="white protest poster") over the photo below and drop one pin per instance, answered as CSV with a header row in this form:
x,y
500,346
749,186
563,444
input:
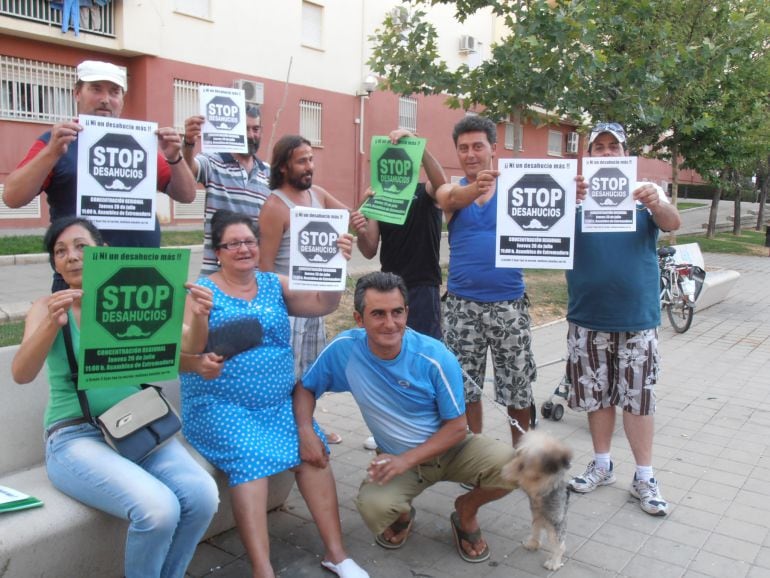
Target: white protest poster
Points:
x,y
535,213
315,261
609,206
689,254
117,172
225,112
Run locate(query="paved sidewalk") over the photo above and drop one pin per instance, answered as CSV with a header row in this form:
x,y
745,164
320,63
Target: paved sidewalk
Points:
x,y
711,455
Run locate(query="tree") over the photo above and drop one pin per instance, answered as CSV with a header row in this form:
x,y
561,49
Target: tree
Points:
x,y
660,66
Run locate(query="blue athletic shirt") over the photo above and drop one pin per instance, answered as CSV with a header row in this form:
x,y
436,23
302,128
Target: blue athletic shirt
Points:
x,y
614,284
405,400
472,271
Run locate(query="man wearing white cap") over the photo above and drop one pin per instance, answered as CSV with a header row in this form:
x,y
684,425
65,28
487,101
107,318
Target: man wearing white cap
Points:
x,y
51,163
612,342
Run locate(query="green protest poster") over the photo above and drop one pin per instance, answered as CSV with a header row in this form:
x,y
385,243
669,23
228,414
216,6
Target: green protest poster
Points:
x,y
395,172
131,320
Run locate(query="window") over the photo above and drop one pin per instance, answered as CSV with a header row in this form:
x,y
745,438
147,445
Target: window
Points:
x,y
555,141
514,136
407,113
197,8
29,211
36,91
312,25
186,102
310,121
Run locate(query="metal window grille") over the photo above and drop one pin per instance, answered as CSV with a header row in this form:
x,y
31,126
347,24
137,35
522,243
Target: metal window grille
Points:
x,y
36,91
29,211
555,142
310,114
194,210
186,101
407,113
94,19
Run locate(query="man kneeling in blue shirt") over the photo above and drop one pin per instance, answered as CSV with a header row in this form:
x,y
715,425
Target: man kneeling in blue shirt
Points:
x,y
409,389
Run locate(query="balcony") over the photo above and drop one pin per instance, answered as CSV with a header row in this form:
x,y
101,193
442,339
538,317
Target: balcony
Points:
x,y
98,20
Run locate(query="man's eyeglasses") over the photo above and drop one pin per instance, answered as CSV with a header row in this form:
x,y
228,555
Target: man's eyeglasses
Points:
x,y
235,245
605,126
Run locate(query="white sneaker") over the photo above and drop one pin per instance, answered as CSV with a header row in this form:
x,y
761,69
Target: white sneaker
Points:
x,y
370,444
649,496
592,479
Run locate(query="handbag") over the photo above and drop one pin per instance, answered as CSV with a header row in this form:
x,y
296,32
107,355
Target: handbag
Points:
x,y
135,426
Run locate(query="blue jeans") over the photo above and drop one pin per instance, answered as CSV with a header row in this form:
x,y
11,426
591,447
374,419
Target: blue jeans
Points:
x,y
167,498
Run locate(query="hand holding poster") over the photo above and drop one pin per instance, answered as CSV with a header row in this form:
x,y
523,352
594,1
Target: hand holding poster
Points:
x,y
536,213
395,173
117,173
315,261
225,112
609,205
131,319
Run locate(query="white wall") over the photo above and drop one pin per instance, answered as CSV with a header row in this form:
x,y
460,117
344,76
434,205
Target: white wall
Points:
x,y
258,37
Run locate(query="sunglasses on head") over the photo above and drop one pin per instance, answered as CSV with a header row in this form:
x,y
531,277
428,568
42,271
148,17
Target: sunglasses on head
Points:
x,y
605,126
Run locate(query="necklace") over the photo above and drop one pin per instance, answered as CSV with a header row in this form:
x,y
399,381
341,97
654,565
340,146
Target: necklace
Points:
x,y
240,288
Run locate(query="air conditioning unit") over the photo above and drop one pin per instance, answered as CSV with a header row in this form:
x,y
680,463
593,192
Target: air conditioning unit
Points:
x,y
467,43
573,142
254,91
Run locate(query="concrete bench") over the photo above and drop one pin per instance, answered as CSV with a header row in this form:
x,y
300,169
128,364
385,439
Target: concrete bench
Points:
x,y
64,537
716,287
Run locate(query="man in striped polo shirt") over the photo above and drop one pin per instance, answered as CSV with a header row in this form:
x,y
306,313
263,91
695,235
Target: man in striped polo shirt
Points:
x,y
236,182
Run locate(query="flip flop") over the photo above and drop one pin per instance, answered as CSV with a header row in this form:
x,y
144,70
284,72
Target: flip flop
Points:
x,y
470,537
397,527
333,438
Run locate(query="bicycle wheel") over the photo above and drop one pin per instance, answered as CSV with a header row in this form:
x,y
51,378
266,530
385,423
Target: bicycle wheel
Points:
x,y
679,311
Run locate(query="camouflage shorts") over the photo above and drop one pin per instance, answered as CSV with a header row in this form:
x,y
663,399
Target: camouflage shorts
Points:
x,y
470,328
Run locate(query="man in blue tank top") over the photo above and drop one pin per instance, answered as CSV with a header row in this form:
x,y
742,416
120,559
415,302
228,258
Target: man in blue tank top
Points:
x,y
613,315
486,307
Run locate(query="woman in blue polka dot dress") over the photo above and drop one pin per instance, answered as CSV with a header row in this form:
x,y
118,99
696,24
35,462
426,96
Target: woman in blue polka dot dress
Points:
x,y
237,394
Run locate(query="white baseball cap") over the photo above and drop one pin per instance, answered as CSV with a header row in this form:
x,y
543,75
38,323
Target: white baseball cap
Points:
x,y
95,70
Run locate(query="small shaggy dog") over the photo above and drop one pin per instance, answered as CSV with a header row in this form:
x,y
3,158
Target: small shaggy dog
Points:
x,y
539,468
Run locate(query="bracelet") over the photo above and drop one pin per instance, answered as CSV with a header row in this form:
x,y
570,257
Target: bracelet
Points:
x,y
188,144
177,161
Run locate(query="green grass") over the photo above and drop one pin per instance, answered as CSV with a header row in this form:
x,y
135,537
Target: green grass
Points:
x,y
749,242
26,244
21,245
184,238
682,205
11,333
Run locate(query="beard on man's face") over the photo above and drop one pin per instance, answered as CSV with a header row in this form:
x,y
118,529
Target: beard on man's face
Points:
x,y
301,181
253,144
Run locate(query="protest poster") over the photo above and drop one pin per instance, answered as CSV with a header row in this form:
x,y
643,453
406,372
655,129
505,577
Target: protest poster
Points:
x,y
535,213
609,205
224,130
315,261
117,173
131,318
395,174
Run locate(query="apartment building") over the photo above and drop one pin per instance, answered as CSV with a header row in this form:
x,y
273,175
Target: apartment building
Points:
x,y
303,61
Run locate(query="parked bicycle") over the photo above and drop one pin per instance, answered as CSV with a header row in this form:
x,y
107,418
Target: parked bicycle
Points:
x,y
680,285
